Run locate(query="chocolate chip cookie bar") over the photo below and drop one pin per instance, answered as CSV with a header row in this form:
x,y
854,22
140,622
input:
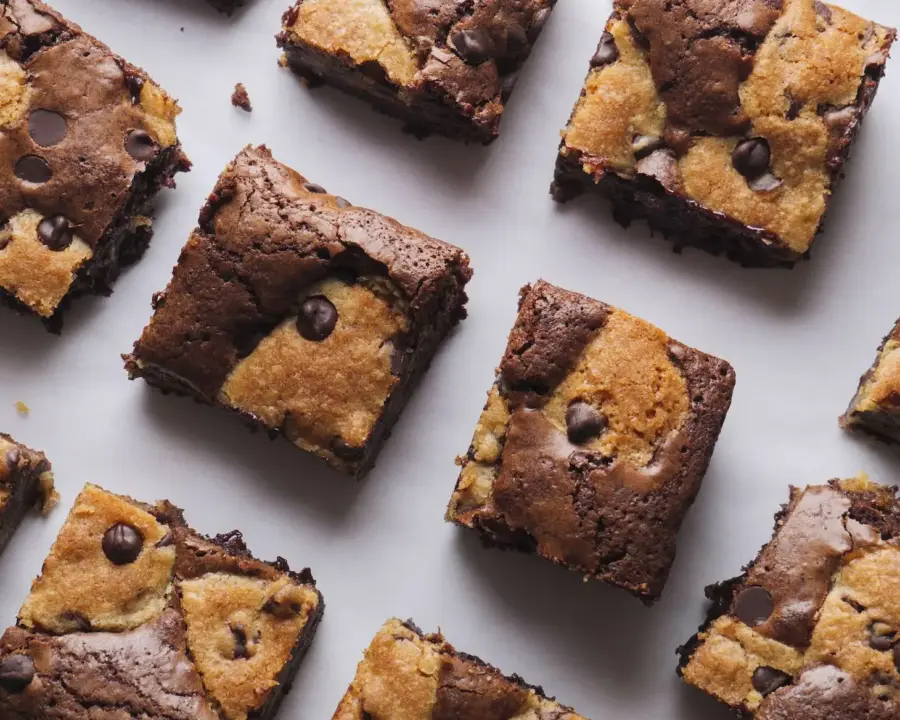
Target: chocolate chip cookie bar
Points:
x,y
86,141
724,125
26,481
593,442
442,66
311,318
875,409
408,674
135,615
811,629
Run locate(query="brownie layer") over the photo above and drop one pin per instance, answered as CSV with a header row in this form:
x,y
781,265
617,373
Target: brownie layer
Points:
x,y
26,482
87,141
811,628
309,317
726,131
406,673
594,440
444,67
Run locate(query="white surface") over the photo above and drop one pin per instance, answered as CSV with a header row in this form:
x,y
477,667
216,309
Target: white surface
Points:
x,y
798,340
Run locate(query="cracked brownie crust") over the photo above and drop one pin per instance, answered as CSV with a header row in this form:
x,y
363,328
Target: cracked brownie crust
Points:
x,y
725,124
445,66
310,317
87,140
875,409
135,615
593,442
407,674
26,481
812,627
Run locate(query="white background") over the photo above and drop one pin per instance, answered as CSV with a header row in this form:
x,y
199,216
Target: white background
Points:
x,y
798,339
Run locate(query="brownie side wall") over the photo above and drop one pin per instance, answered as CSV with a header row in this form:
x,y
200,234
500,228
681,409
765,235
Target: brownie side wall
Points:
x,y
24,496
422,114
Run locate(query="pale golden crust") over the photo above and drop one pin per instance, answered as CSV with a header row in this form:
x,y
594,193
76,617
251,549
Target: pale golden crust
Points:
x,y
805,67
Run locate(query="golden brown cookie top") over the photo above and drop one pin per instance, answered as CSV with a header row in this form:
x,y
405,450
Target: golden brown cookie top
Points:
x,y
812,629
744,106
79,125
407,675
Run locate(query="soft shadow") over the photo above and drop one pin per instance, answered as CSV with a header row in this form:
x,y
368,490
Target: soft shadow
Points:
x,y
696,705
203,11
290,475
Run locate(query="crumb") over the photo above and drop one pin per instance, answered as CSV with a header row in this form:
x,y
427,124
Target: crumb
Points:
x,y
22,408
240,98
182,29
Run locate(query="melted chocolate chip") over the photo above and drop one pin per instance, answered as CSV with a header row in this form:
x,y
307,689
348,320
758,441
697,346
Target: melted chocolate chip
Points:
x,y
313,188
240,642
473,46
607,52
751,159
342,203
46,127
33,169
135,84
55,232
345,450
122,544
767,680
753,606
140,145
583,422
317,318
16,673
822,10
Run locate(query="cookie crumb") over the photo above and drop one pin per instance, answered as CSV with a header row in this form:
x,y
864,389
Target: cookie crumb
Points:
x,y
240,98
22,408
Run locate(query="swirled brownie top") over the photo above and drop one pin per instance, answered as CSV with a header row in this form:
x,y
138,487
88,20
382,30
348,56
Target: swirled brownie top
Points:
x,y
744,107
133,610
408,675
812,628
79,127
594,440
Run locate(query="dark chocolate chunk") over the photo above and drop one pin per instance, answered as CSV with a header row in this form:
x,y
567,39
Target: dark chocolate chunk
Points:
x,y
342,203
317,318
55,232
240,642
583,422
607,52
767,680
822,10
122,544
33,169
46,127
313,188
140,145
473,46
751,159
345,450
753,605
16,673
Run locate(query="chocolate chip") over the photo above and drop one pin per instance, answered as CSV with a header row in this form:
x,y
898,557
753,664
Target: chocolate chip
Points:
x,y
46,127
135,84
822,10
751,159
607,52
345,450
767,680
881,636
33,169
473,46
167,539
282,610
16,673
313,188
583,422
122,544
537,23
140,145
317,318
12,458
341,202
754,605
55,232
240,642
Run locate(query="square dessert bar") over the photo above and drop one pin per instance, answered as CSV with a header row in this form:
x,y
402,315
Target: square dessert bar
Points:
x,y
594,440
443,66
135,615
725,125
811,629
25,482
86,141
310,317
875,409
408,674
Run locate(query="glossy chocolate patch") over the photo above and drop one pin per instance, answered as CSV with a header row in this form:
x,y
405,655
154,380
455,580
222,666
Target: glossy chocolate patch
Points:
x,y
46,127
